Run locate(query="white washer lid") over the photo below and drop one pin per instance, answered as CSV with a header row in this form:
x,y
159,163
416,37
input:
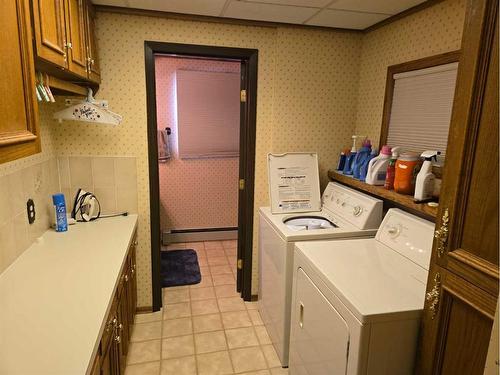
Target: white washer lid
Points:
x,y
294,182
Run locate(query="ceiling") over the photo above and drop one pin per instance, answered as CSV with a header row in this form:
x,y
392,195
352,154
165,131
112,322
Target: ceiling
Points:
x,y
347,14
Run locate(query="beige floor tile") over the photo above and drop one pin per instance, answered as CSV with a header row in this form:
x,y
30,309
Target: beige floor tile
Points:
x,y
206,323
175,246
248,359
232,262
222,291
231,304
202,293
204,270
144,351
260,372
179,346
236,319
279,371
212,244
214,253
209,342
175,295
217,363
224,279
207,306
206,281
176,310
150,368
231,252
218,261
262,335
177,327
252,305
271,356
148,317
255,317
241,337
195,245
220,270
203,262
229,244
179,366
146,331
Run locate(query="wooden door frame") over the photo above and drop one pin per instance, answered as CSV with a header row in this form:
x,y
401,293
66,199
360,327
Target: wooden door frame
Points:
x,y
248,116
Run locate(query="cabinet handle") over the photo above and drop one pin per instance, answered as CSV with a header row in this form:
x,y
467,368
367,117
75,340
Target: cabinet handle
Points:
x,y
120,327
433,296
126,278
118,339
111,323
69,45
441,234
301,315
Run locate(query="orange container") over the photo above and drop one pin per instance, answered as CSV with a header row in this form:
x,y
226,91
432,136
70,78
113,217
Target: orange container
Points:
x,y
407,167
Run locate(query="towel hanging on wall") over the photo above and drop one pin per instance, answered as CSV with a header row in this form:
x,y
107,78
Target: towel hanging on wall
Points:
x,y
164,144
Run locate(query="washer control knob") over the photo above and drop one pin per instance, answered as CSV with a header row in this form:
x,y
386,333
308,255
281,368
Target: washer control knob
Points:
x,y
357,210
393,231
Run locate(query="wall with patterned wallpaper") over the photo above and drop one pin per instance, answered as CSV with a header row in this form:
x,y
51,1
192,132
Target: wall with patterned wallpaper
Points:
x,y
434,30
194,193
308,93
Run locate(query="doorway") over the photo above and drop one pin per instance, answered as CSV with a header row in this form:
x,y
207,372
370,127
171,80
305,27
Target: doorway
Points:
x,y
247,130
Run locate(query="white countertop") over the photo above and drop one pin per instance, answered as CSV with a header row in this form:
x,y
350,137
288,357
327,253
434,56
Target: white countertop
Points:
x,y
54,298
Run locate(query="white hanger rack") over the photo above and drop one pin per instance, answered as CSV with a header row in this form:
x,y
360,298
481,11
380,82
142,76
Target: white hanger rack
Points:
x,y
89,110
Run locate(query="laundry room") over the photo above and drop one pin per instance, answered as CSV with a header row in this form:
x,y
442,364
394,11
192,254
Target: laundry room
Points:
x,y
249,187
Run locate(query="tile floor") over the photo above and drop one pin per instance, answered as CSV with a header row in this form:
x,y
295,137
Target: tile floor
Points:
x,y
204,329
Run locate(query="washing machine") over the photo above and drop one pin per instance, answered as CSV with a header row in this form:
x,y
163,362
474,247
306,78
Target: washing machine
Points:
x,y
340,213
357,303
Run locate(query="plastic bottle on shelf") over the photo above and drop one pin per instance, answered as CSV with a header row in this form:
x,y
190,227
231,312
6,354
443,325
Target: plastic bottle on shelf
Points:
x,y
407,168
350,158
377,167
391,169
424,185
362,157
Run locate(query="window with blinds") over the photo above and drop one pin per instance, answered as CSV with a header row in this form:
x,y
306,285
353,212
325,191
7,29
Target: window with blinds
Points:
x,y
421,108
208,114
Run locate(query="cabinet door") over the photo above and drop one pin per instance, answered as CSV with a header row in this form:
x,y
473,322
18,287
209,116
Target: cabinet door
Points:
x,y
19,135
96,367
50,31
92,53
467,233
456,325
77,41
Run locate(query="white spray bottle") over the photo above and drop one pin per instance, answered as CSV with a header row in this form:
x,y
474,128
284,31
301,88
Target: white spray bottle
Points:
x,y
424,184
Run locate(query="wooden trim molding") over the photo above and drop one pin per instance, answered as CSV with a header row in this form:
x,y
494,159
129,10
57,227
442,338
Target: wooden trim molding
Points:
x,y
426,62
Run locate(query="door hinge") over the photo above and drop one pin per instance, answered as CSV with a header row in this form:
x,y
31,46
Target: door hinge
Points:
x,y
240,264
243,96
242,184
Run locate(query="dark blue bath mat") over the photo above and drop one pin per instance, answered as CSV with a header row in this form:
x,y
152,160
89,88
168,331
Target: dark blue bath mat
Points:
x,y
179,267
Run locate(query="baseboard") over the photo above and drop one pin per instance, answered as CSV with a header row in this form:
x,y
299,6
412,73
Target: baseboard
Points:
x,y
196,235
143,309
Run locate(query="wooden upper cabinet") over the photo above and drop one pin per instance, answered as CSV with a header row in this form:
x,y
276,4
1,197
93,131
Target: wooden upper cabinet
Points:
x,y
76,37
92,54
50,31
65,38
19,134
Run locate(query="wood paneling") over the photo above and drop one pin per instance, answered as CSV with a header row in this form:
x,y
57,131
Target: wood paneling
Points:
x,y
76,37
94,70
19,135
461,302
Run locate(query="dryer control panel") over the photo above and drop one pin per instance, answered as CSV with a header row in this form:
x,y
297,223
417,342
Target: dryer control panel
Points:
x,y
359,209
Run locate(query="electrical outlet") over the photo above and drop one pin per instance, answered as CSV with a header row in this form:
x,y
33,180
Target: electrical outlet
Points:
x,y
30,208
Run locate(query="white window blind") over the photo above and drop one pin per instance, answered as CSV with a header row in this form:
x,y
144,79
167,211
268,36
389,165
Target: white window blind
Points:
x,y
208,114
421,108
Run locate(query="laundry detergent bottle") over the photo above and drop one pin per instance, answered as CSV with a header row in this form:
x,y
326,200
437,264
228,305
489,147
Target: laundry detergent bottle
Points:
x,y
407,168
363,170
362,157
349,160
377,167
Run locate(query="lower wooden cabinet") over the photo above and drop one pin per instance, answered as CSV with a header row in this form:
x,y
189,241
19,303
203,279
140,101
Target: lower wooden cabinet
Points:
x,y
113,349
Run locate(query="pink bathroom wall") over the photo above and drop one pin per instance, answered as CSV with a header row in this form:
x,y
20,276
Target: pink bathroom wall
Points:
x,y
194,193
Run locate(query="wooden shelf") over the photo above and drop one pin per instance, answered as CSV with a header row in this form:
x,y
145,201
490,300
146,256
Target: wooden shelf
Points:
x,y
390,196
61,87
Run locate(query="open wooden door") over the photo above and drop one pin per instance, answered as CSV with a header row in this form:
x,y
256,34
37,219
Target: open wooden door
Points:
x,y
462,287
